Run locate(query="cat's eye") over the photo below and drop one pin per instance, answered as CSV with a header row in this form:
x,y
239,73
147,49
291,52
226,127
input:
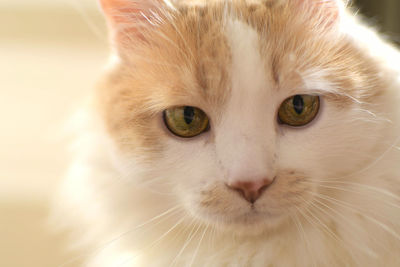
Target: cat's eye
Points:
x,y
186,121
299,110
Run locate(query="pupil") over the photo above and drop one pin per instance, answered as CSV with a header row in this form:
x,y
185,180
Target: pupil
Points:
x,y
298,104
188,114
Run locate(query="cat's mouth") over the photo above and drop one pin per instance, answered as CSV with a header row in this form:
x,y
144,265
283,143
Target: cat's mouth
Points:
x,y
220,205
247,218
252,222
254,215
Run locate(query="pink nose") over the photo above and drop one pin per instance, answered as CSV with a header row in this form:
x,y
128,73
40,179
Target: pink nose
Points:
x,y
251,190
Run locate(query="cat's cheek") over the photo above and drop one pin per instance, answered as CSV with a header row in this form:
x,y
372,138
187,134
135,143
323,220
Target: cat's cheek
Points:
x,y
214,203
190,163
299,147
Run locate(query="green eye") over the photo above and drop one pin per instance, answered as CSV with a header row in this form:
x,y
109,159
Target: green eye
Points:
x,y
298,110
186,121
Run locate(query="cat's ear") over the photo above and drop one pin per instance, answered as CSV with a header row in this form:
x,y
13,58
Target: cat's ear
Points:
x,y
128,19
324,13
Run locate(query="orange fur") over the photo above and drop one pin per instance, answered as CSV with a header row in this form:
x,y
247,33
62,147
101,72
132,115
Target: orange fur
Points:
x,y
334,196
179,66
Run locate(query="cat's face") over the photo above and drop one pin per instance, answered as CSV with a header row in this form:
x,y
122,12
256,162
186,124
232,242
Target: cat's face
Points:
x,y
238,63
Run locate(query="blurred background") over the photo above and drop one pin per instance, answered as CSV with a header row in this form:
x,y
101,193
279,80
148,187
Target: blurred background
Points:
x,y
51,54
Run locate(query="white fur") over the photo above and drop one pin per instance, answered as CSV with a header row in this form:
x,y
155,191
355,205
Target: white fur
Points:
x,y
245,122
161,223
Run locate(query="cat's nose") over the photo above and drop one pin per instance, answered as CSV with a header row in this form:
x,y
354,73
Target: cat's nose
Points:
x,y
251,190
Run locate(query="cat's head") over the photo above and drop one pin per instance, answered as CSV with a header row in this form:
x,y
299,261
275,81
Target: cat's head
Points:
x,y
237,109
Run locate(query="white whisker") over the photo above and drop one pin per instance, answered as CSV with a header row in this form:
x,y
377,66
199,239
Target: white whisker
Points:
x,y
378,223
156,241
187,242
360,185
198,246
308,246
102,247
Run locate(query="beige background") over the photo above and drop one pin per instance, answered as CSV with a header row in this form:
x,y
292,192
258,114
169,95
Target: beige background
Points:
x,y
51,53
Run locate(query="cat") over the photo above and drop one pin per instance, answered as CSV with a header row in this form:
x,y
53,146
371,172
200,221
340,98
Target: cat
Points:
x,y
239,133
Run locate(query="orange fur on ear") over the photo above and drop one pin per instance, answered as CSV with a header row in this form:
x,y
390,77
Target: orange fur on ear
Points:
x,y
128,18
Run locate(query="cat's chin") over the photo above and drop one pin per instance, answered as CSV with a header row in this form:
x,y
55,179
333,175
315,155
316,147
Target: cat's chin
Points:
x,y
249,223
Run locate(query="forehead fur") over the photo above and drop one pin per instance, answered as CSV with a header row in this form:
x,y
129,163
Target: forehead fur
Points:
x,y
184,58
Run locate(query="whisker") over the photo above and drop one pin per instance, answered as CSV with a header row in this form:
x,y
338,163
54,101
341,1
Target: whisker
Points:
x,y
378,223
360,193
166,233
326,229
393,145
346,227
187,242
156,241
358,185
348,222
102,247
198,246
302,235
385,227
305,237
